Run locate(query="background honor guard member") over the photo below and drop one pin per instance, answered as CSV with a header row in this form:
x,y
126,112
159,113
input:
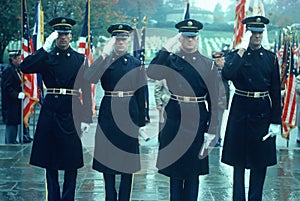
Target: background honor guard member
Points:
x,y
190,126
121,113
12,94
63,117
219,59
255,112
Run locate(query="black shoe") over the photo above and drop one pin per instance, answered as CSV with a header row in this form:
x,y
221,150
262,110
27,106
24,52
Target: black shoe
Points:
x,y
27,138
298,141
27,141
30,138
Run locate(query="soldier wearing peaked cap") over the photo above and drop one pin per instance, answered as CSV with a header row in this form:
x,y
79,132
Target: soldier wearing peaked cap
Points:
x,y
63,117
219,59
121,113
11,89
255,113
190,126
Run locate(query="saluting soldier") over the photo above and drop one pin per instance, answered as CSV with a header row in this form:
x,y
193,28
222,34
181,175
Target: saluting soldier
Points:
x,y
255,114
57,144
121,113
191,113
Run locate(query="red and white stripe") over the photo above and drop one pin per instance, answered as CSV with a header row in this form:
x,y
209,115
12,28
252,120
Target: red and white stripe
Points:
x,y
238,30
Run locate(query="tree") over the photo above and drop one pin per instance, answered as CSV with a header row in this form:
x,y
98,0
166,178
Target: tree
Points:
x,y
218,14
102,14
10,26
282,12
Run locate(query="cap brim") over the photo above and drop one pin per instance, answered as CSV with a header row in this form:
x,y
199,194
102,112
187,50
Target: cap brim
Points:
x,y
63,31
121,37
256,29
189,34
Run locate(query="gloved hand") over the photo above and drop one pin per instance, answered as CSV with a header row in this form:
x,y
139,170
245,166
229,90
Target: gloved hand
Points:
x,y
84,127
246,40
274,129
21,95
107,49
208,139
49,40
143,134
171,42
282,93
165,97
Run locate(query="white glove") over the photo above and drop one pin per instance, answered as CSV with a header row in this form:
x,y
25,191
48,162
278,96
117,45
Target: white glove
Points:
x,y
246,40
143,134
282,92
208,138
21,95
49,40
165,97
274,129
171,42
84,127
107,49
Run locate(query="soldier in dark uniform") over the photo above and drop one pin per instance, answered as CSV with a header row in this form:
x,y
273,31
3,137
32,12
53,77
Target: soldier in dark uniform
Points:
x,y
12,94
57,145
255,114
191,112
219,59
121,113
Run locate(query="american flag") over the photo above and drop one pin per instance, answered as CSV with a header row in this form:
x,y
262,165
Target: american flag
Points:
x,y
289,104
136,41
38,39
85,47
29,80
238,30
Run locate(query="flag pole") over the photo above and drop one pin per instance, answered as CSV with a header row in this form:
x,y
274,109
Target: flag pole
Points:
x,y
89,26
22,75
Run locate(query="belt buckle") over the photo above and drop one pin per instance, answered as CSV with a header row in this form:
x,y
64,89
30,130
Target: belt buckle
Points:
x,y
186,99
120,93
62,91
256,94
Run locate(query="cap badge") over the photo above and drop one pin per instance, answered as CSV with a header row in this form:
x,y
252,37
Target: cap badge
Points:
x,y
258,19
63,21
190,23
120,26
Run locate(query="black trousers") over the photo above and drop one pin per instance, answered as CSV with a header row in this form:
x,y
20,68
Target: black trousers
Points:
x,y
256,183
53,188
110,187
184,190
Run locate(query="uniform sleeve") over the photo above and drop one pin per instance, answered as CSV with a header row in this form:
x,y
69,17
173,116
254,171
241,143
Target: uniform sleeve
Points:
x,y
233,62
8,82
157,65
34,63
86,110
298,85
94,73
158,92
140,95
213,100
275,96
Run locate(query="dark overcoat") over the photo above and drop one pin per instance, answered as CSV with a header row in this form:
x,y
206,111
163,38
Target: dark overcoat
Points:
x,y
57,144
249,118
181,139
10,89
116,140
